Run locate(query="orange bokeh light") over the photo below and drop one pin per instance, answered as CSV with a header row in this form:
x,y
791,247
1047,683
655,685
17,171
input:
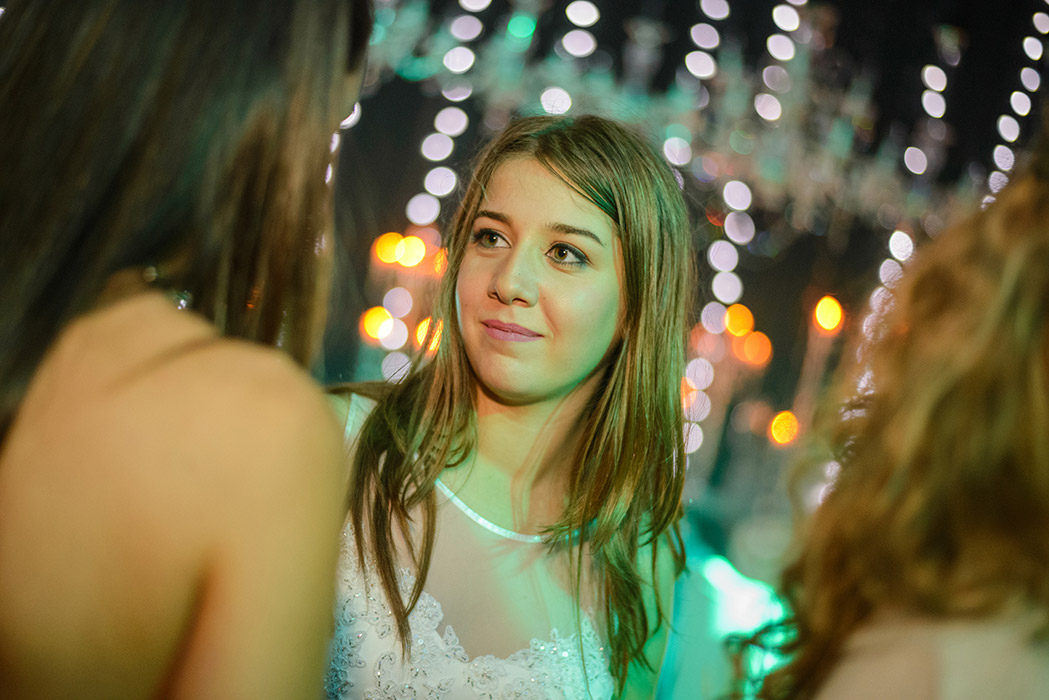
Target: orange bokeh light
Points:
x,y
688,392
440,261
739,320
372,321
423,328
757,349
828,314
784,428
386,247
410,251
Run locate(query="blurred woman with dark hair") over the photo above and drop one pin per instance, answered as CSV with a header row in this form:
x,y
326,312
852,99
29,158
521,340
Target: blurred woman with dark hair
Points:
x,y
924,574
170,494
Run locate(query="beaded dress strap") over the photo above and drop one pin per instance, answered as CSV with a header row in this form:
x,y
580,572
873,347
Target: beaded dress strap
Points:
x,y
484,522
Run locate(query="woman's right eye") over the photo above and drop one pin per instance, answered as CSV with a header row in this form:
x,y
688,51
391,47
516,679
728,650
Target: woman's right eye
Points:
x,y
487,238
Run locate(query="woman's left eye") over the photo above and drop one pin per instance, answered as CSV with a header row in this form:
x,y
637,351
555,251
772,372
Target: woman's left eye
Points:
x,y
567,255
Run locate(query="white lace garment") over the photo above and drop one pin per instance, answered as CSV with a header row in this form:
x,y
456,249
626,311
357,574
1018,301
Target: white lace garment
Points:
x,y
366,660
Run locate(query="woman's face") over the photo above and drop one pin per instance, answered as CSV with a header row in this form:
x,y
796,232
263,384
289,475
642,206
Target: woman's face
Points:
x,y
539,292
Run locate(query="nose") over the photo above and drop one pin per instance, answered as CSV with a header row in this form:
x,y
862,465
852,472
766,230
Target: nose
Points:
x,y
515,281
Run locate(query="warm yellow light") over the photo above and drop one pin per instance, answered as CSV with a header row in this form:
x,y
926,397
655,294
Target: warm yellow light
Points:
x,y
422,329
410,251
739,320
386,246
688,392
373,321
440,261
828,314
784,428
757,349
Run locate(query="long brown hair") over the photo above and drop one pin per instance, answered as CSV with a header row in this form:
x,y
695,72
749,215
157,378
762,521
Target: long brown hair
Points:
x,y
138,131
941,507
626,486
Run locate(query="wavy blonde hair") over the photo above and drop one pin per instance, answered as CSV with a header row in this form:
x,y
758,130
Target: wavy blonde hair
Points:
x,y
941,429
626,487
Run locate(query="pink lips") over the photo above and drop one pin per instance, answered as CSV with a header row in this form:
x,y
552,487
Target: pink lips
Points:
x,y
509,331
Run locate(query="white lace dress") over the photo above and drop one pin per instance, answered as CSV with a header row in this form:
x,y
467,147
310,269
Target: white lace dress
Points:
x,y
366,658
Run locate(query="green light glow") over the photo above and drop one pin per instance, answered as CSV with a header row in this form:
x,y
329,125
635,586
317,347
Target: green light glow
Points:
x,y
521,26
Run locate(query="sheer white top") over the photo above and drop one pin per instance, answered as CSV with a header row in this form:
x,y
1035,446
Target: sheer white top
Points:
x,y
496,619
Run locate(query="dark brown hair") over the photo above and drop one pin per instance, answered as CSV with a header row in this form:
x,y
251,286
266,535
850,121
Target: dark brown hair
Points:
x,y
626,487
139,132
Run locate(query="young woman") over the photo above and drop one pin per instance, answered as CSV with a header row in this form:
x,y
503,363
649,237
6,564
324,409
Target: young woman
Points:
x,y
513,501
925,572
169,496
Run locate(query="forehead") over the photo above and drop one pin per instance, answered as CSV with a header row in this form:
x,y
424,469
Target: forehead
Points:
x,y
524,186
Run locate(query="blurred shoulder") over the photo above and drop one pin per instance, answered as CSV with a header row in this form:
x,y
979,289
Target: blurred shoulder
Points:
x,y
351,408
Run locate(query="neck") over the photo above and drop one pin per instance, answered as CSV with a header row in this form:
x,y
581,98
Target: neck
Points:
x,y
519,471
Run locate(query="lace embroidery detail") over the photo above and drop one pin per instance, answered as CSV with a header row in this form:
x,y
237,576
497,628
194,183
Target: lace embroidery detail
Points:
x,y
365,654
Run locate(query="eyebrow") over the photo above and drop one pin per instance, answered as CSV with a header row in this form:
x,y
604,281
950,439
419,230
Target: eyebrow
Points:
x,y
553,226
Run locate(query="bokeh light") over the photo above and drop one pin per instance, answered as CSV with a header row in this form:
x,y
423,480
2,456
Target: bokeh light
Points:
x,y
699,407
776,78
1020,102
767,107
727,287
714,9
934,78
739,227
422,209
437,147
901,245
677,150
423,328
700,372
466,27
915,160
739,320
1041,22
934,104
457,90
521,26
693,437
784,428
997,180
395,367
555,100
355,116
1033,48
411,250
451,121
828,314
373,322
713,317
1004,157
579,43
1031,79
780,47
582,13
398,301
705,36
700,64
757,349
393,334
459,59
737,195
786,17
474,5
1008,128
440,181
386,247
889,272
722,256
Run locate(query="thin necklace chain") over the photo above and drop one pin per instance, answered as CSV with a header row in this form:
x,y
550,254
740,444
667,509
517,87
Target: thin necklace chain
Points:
x,y
484,522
